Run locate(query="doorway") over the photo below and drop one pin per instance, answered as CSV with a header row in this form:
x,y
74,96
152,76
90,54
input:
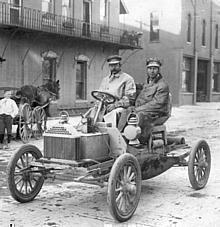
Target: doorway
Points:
x,y
86,18
15,11
202,81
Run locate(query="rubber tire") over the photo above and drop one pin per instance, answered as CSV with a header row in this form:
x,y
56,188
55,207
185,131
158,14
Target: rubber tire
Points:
x,y
120,162
20,197
191,173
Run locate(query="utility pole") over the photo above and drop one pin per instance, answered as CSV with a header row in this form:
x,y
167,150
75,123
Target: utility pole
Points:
x,y
211,57
195,53
141,24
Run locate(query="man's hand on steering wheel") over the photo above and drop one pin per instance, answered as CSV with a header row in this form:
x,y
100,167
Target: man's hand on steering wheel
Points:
x,y
111,107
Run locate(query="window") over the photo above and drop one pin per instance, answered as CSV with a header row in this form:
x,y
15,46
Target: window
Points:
x,y
203,32
187,75
49,69
86,18
15,3
48,6
86,11
216,78
15,11
66,8
104,11
216,36
189,28
81,79
154,26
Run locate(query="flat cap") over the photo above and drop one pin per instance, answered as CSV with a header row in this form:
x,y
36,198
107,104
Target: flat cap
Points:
x,y
153,62
114,59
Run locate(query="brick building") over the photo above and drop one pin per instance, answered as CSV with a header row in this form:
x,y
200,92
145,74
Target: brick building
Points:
x,y
185,35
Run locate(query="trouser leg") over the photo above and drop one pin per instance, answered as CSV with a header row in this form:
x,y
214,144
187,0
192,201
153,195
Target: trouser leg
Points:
x,y
2,128
92,113
145,123
123,119
112,116
8,123
16,121
18,132
1,138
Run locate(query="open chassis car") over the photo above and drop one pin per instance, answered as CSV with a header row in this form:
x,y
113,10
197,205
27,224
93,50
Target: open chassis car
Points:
x,y
106,157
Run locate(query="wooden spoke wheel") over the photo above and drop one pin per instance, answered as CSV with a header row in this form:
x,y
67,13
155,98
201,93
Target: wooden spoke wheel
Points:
x,y
124,187
25,123
199,165
39,122
24,180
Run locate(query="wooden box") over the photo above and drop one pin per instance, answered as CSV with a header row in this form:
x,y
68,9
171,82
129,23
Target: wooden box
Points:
x,y
94,146
61,147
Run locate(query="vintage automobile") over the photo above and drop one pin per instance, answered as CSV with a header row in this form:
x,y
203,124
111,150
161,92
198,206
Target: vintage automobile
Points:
x,y
107,157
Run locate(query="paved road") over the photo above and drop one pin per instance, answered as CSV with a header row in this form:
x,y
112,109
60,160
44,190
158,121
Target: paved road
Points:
x,y
166,200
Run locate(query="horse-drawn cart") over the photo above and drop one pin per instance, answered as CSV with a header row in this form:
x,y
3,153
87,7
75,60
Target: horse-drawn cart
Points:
x,y
33,105
99,154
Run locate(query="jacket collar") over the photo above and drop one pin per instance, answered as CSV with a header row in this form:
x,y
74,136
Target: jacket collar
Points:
x,y
117,75
155,80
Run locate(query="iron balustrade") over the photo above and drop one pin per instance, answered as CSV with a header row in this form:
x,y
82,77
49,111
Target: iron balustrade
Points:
x,y
33,19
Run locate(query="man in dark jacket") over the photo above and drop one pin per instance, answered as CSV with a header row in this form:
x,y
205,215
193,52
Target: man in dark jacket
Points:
x,y
153,100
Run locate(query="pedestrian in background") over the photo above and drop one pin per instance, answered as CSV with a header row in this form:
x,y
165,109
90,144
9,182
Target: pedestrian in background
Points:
x,y
8,110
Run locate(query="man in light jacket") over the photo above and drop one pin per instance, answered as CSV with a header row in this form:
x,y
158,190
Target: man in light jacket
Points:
x,y
119,84
8,110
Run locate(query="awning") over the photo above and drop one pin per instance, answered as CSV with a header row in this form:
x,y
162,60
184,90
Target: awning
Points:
x,y
123,8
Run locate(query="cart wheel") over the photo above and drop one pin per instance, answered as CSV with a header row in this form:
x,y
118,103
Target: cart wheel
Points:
x,y
39,122
199,165
25,123
124,187
24,181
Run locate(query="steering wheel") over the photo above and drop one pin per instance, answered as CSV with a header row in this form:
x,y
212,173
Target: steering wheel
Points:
x,y
104,97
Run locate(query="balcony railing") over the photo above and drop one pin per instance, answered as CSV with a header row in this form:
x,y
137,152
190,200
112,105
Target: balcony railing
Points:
x,y
32,19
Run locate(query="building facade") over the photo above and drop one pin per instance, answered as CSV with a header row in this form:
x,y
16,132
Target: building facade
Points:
x,y
65,40
184,34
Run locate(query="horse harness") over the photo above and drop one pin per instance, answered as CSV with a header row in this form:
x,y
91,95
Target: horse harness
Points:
x,y
46,89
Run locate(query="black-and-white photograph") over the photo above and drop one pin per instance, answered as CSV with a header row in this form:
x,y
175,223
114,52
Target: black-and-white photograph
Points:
x,y
109,113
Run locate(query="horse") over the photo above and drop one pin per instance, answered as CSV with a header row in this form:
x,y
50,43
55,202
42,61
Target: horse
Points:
x,y
39,96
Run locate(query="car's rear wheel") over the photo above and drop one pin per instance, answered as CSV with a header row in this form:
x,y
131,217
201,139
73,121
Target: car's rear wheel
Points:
x,y
199,165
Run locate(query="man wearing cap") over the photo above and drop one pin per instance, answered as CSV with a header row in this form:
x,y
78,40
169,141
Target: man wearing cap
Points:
x,y
119,84
153,101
